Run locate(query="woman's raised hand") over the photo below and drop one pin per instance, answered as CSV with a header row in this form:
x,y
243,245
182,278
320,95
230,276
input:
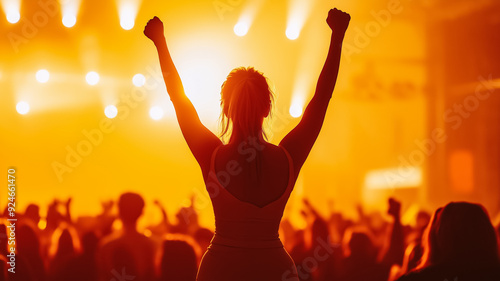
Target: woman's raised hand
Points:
x,y
338,20
154,29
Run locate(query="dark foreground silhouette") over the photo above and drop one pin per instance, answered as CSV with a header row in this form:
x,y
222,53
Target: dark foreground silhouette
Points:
x,y
461,244
457,243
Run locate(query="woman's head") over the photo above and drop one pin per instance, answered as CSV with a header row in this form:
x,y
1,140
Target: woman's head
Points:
x,y
245,101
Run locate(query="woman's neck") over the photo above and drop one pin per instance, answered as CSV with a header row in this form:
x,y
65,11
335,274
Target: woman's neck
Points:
x,y
238,138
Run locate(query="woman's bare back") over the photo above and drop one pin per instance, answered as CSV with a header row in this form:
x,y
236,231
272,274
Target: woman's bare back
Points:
x,y
273,171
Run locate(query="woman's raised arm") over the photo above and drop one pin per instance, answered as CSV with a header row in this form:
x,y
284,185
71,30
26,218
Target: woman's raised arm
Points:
x,y
200,140
301,139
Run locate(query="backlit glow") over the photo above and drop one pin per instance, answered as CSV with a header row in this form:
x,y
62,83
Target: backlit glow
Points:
x,y
297,15
156,113
92,78
111,111
292,32
42,76
12,10
69,10
296,108
249,12
13,16
127,12
394,178
69,20
22,107
241,29
139,80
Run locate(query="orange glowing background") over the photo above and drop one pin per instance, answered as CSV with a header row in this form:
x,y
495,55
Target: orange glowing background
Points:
x,y
388,101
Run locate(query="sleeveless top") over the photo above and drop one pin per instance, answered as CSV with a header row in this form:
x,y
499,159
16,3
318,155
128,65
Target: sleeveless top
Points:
x,y
242,224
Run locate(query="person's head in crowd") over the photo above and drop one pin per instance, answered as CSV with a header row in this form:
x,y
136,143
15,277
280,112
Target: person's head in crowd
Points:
x,y
32,213
178,261
130,207
65,242
187,220
465,233
422,220
358,244
461,234
54,217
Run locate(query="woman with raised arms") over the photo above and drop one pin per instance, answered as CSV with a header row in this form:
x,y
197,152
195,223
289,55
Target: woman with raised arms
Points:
x,y
249,179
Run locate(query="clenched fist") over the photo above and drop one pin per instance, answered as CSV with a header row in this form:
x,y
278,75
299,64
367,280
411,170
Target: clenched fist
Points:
x,y
154,29
338,20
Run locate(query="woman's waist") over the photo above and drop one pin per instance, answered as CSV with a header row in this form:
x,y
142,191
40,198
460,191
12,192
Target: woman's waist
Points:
x,y
247,241
247,226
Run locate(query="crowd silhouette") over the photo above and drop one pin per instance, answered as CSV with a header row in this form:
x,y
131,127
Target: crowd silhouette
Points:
x,y
457,242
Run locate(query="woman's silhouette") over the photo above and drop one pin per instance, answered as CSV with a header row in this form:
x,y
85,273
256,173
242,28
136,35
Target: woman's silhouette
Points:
x,y
249,179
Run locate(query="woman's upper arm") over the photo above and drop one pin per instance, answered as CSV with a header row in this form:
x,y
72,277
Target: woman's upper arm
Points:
x,y
299,141
200,139
202,143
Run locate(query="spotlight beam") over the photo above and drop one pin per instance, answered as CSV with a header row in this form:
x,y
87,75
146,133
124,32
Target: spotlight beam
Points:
x,y
12,10
22,107
247,17
127,11
297,15
69,9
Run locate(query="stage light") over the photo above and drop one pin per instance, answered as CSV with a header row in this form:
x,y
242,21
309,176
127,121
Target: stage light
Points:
x,y
295,110
156,113
13,16
139,80
22,107
127,23
69,20
298,98
92,78
292,33
42,76
248,14
110,111
297,15
127,13
12,10
69,10
241,29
